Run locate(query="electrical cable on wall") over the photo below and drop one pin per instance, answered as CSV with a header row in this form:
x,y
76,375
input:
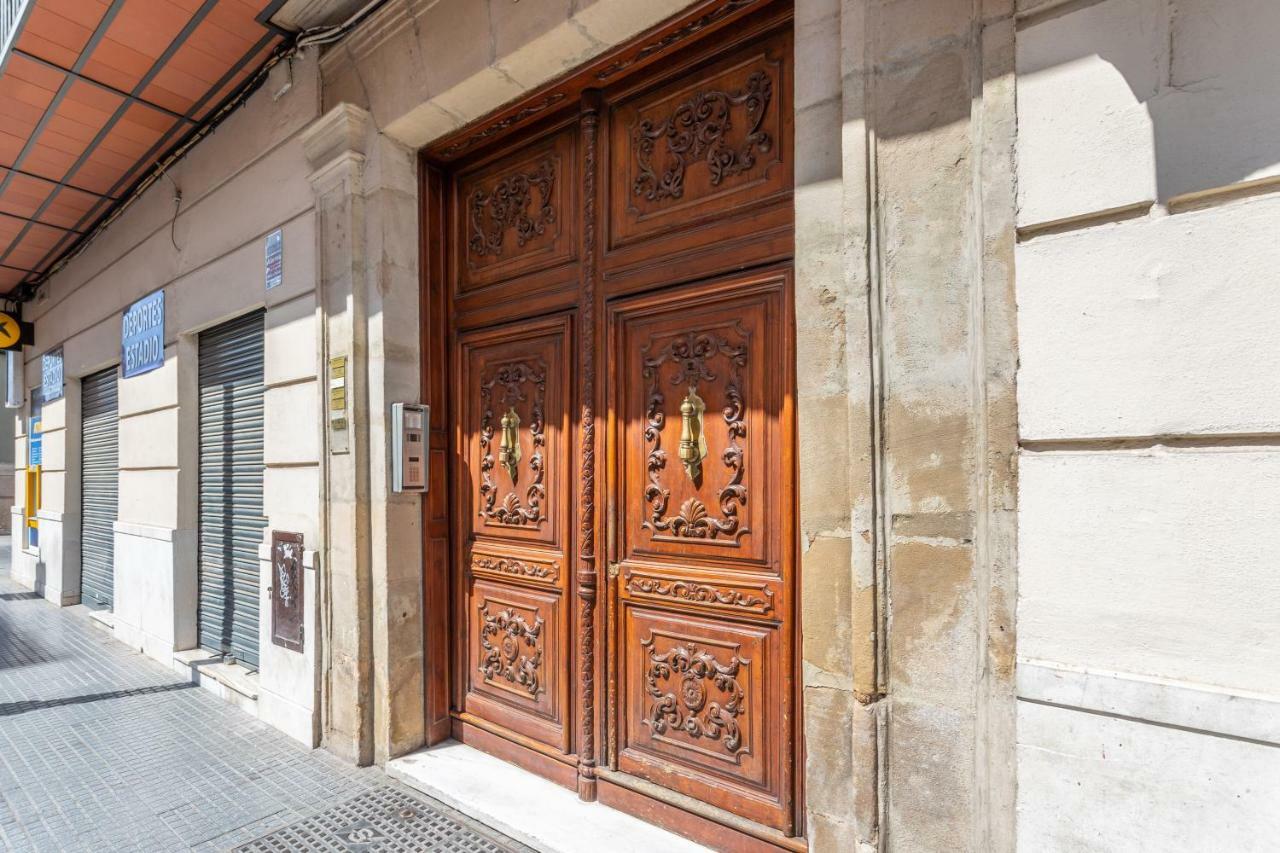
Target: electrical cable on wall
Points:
x,y
177,205
325,35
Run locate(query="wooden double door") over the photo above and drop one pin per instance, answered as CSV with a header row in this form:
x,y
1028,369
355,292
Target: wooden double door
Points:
x,y
617,300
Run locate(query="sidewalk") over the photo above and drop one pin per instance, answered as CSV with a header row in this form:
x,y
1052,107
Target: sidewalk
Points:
x,y
102,749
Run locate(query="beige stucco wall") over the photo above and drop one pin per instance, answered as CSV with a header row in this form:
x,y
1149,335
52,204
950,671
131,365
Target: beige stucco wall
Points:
x,y
1149,613
241,183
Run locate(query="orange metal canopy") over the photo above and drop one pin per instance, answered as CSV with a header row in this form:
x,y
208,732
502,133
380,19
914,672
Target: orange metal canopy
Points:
x,y
93,93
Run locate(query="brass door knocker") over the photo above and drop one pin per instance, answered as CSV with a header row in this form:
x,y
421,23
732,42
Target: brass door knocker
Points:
x,y
693,444
509,445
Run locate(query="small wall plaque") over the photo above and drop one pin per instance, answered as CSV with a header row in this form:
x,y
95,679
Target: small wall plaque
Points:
x,y
286,590
275,258
51,375
142,335
338,436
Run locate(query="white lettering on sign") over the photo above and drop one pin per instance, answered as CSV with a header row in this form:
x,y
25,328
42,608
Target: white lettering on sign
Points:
x,y
275,258
142,335
142,352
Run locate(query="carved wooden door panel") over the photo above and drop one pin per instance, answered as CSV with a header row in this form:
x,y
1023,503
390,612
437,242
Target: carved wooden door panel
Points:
x,y
514,435
701,391
612,262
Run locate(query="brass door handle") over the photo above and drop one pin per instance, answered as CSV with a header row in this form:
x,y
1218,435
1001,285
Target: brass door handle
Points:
x,y
693,444
509,444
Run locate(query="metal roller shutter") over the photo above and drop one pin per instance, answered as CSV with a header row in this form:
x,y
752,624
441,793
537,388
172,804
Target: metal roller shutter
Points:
x,y
231,512
99,486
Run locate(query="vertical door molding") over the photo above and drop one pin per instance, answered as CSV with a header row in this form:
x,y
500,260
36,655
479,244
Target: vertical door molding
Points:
x,y
587,569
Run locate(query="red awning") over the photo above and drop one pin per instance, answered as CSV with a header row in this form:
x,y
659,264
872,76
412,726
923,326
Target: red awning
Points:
x,y
93,93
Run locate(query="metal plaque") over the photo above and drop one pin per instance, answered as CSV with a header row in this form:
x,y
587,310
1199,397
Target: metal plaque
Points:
x,y
51,375
338,436
142,335
286,590
275,258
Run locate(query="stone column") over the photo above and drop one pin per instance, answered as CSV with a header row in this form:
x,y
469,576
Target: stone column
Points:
x,y
371,574
906,356
837,503
394,375
335,146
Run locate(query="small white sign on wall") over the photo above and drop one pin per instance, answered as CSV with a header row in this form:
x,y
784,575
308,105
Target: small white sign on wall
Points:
x,y
275,258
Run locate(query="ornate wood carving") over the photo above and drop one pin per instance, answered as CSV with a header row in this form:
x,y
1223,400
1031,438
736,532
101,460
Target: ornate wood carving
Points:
x,y
587,507
694,27
702,593
509,382
492,130
698,130
547,643
507,206
511,648
512,566
689,707
692,353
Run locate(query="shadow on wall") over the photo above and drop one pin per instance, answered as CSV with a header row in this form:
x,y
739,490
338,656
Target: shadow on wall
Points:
x,y
1205,72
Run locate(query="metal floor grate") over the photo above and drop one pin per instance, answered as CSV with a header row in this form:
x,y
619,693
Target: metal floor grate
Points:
x,y
384,820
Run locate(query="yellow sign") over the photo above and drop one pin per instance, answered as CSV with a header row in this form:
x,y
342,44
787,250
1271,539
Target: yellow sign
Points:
x,y
10,331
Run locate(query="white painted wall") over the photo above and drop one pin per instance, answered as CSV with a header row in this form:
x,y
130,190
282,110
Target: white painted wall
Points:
x,y
241,183
1149,409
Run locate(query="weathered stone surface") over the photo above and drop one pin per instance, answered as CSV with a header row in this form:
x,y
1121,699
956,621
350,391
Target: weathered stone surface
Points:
x,y
931,639
933,794
417,87
832,719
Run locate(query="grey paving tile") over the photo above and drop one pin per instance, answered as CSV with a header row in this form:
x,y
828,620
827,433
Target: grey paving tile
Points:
x,y
104,749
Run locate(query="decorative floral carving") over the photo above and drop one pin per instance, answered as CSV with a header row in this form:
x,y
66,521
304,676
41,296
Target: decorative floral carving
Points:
x,y
699,129
492,130
687,708
510,566
701,593
507,206
692,354
505,388
510,648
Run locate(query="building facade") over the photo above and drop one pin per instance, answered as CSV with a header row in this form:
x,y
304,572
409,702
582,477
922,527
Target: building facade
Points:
x,y
849,421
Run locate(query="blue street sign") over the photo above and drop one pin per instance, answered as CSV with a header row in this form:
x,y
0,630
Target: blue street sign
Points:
x,y
51,375
142,335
